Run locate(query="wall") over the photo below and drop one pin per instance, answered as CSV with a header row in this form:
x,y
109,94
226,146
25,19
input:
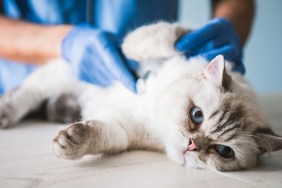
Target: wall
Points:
x,y
263,52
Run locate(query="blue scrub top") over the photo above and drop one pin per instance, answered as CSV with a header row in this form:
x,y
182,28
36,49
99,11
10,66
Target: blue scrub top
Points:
x,y
116,16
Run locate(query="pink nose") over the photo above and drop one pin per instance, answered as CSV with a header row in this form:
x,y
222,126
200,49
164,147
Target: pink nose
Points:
x,y
192,146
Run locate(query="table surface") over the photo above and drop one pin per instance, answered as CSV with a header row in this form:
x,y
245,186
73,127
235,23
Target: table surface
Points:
x,y
26,160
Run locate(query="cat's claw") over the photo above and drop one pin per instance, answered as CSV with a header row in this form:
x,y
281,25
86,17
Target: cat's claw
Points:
x,y
72,142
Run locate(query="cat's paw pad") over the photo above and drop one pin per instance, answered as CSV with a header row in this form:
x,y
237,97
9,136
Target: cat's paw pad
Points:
x,y
72,142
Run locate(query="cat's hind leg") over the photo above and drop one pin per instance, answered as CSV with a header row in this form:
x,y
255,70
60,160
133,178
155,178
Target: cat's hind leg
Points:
x,y
64,108
50,80
7,109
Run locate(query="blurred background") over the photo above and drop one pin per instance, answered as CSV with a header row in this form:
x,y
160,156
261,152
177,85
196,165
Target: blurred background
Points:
x,y
263,51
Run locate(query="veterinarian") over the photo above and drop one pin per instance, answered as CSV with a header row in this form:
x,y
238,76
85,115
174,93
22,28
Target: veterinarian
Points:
x,y
88,34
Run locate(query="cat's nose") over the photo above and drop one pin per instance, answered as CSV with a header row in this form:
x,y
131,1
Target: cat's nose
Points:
x,y
192,146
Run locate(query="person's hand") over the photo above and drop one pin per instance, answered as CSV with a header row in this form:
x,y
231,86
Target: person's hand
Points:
x,y
95,57
217,37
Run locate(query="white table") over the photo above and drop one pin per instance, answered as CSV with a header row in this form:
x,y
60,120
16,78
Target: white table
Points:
x,y
26,160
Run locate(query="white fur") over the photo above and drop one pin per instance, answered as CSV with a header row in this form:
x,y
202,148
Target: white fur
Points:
x,y
142,46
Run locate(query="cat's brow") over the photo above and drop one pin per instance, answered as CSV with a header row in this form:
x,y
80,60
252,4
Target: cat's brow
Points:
x,y
229,130
232,116
215,113
230,137
225,109
221,116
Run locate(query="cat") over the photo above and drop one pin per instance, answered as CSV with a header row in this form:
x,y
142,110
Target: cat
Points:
x,y
200,113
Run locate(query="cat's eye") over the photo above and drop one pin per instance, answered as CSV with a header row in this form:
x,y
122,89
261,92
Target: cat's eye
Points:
x,y
196,115
224,151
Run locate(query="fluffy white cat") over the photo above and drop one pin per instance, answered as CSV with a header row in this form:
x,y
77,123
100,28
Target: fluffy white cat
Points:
x,y
200,114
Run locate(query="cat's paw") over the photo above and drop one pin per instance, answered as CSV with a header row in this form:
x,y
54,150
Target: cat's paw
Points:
x,y
8,111
72,142
159,36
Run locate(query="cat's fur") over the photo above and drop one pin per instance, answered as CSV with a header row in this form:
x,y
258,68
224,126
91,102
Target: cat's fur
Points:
x,y
158,117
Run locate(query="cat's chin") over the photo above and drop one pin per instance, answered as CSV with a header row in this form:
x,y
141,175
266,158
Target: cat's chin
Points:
x,y
189,159
177,157
192,160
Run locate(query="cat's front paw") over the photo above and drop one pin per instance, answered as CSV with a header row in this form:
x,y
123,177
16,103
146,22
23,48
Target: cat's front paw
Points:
x,y
72,142
5,118
8,111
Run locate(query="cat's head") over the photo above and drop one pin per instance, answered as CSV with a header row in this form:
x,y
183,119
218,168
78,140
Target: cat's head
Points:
x,y
216,121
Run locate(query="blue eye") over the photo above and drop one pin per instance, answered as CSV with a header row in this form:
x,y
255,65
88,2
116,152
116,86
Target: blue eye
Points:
x,y
196,115
224,151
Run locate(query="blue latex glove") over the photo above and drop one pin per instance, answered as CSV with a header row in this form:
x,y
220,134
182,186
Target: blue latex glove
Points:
x,y
95,56
217,37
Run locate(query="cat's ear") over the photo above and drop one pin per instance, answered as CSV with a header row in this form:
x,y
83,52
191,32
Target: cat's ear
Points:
x,y
268,141
217,73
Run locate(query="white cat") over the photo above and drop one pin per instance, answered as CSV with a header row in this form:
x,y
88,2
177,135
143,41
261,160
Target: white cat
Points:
x,y
200,114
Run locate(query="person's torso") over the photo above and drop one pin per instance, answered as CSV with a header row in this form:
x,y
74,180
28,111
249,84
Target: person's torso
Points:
x,y
117,16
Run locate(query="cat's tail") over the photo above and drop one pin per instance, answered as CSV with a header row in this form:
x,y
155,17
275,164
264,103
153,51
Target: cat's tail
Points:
x,y
154,41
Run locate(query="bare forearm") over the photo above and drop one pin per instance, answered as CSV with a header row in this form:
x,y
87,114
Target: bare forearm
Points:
x,y
239,12
26,42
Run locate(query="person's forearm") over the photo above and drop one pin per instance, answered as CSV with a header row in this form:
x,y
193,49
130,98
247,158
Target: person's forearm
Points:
x,y
239,12
31,43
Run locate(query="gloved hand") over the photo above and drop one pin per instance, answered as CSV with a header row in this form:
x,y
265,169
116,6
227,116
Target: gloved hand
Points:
x,y
217,37
95,57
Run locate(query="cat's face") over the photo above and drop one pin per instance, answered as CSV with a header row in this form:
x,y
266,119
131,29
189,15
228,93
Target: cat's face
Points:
x,y
218,127
220,131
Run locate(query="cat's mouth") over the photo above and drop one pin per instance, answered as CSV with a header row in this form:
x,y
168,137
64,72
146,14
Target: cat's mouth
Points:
x,y
186,151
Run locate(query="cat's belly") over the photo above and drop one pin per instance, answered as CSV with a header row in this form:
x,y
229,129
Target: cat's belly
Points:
x,y
94,100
